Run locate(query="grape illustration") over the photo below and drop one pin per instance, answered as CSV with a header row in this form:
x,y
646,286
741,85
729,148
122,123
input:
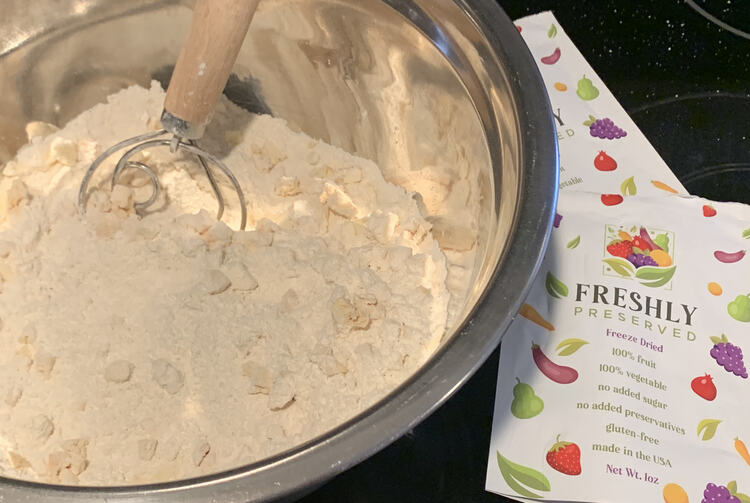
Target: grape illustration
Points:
x,y
639,260
728,356
606,129
718,494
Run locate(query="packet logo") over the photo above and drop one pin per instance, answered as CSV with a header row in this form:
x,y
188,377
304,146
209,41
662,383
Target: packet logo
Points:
x,y
641,254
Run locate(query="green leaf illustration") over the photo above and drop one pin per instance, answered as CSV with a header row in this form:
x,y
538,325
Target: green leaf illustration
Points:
x,y
515,475
620,266
552,31
662,241
650,273
746,234
732,486
655,276
708,428
570,346
627,188
573,242
719,340
589,122
555,287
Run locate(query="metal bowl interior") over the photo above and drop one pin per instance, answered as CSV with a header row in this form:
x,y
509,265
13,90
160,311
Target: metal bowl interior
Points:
x,y
407,83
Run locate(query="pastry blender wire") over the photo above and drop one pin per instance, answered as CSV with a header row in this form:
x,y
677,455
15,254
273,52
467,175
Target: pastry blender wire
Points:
x,y
216,33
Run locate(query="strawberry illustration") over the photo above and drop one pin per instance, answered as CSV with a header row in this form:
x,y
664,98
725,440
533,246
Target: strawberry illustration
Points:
x,y
704,387
565,457
620,248
708,211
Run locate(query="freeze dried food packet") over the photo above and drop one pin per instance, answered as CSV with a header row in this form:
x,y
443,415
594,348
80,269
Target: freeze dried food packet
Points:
x,y
628,362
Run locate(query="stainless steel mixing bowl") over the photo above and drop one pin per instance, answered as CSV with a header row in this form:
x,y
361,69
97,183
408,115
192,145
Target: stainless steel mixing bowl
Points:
x,y
407,83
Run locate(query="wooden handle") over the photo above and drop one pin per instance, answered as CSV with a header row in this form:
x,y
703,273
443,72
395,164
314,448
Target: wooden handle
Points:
x,y
206,60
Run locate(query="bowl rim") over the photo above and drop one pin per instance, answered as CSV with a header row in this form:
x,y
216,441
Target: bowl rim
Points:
x,y
333,452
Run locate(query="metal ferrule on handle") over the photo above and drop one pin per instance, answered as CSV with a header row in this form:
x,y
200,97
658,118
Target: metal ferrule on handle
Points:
x,y
205,62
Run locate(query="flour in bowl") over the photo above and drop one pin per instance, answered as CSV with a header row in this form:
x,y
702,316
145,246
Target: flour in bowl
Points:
x,y
146,349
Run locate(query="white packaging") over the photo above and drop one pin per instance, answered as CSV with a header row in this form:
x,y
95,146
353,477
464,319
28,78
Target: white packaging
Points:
x,y
628,348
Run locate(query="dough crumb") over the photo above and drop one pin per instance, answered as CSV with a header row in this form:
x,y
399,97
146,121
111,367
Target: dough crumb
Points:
x,y
39,128
118,371
63,151
167,376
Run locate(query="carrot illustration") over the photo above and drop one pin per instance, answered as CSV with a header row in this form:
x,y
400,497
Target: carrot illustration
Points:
x,y
530,314
742,450
663,186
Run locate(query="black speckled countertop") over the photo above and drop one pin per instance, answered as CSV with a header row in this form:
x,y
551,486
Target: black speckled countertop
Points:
x,y
681,68
647,51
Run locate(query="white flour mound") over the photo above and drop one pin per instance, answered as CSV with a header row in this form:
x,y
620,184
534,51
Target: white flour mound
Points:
x,y
144,349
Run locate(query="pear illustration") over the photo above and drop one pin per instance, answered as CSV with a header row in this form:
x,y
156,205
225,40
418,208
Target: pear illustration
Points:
x,y
586,89
739,308
525,403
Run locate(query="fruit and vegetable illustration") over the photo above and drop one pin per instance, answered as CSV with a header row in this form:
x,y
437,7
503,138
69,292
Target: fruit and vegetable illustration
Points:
x,y
552,32
556,373
634,254
663,186
674,493
565,457
728,356
741,449
573,243
704,387
570,346
709,211
707,428
533,316
729,258
526,404
611,199
627,187
739,308
552,58
714,493
555,287
714,288
586,90
604,128
604,162
557,221
560,87
519,477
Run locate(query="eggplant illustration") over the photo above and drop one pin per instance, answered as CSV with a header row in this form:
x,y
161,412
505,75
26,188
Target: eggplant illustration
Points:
x,y
557,373
729,258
